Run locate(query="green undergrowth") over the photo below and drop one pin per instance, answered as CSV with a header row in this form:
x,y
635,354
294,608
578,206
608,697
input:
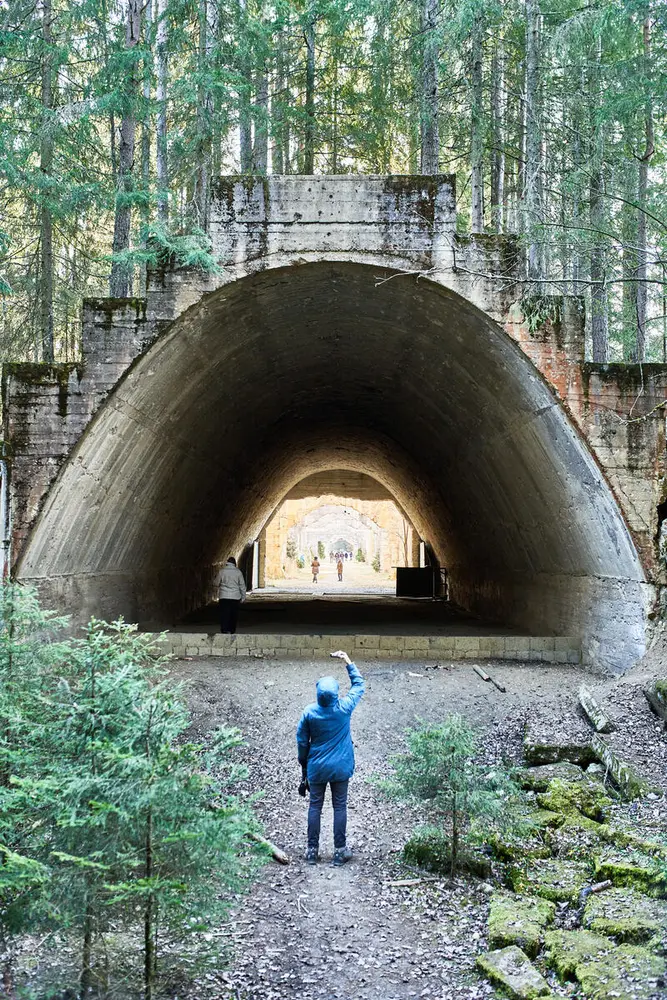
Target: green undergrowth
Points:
x,y
610,943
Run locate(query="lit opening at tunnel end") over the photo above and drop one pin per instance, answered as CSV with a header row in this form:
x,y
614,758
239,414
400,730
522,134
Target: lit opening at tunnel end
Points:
x,y
294,371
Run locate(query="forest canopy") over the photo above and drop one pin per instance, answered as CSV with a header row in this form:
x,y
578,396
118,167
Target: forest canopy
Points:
x,y
115,114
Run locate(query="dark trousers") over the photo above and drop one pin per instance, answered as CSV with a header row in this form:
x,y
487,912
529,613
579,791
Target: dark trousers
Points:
x,y
229,613
339,803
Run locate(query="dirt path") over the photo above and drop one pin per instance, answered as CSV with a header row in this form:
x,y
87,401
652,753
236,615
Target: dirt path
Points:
x,y
347,933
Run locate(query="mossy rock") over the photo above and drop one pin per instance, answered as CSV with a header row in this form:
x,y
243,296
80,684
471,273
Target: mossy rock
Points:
x,y
576,836
511,969
627,916
550,741
628,838
544,819
584,796
628,972
565,950
537,779
551,878
429,848
519,920
508,847
633,871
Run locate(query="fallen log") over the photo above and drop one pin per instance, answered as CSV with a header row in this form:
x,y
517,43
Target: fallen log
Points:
x,y
629,784
481,673
277,854
593,712
657,701
497,684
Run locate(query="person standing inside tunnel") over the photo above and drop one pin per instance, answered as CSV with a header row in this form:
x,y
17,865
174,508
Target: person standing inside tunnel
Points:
x,y
339,567
315,567
231,593
326,756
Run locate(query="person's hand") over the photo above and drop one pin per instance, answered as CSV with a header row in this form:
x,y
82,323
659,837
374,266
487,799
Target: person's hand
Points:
x,y
304,787
342,655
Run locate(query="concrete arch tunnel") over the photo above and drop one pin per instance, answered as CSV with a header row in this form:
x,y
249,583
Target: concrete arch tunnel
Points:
x,y
300,369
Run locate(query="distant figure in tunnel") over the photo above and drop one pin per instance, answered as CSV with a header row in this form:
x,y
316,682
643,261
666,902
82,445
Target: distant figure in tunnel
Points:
x,y
326,755
315,567
231,593
339,567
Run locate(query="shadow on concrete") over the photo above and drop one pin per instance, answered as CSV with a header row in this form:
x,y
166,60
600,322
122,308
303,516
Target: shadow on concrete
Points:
x,y
305,614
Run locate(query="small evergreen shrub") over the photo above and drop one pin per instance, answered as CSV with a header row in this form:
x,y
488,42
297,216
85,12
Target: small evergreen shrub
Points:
x,y
360,556
376,564
440,774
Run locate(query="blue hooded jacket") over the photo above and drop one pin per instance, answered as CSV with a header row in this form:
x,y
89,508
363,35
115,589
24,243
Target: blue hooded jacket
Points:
x,y
323,735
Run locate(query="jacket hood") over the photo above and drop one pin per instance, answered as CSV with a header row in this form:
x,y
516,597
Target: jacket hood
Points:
x,y
327,691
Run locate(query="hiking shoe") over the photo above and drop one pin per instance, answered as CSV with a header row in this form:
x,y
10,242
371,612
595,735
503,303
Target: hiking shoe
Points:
x,y
312,857
341,855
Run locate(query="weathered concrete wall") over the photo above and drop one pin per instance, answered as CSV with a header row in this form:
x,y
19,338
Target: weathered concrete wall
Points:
x,y
211,426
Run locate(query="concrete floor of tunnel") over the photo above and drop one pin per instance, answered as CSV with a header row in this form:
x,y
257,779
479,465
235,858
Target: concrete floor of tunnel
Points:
x,y
293,613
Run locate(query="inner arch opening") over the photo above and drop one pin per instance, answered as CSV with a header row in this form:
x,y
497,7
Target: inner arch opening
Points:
x,y
299,370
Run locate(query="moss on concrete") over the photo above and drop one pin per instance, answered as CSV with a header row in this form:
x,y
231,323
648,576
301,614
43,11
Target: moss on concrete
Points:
x,y
565,950
576,837
627,916
537,779
633,870
585,796
519,920
551,878
511,969
625,973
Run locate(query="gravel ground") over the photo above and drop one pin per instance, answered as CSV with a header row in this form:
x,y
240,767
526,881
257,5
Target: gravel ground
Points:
x,y
348,933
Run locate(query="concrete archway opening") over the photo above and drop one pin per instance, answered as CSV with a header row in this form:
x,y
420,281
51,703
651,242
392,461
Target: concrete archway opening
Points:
x,y
340,515
304,369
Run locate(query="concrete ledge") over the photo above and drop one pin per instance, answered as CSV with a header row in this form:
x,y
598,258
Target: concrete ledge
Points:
x,y
546,649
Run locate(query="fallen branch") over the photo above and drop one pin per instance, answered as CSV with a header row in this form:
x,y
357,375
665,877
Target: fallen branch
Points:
x,y
593,712
277,854
410,881
485,677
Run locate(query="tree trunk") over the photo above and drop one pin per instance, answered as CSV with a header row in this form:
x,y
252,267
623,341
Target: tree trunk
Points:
x,y
498,154
477,126
146,136
161,161
261,148
533,165
150,957
280,151
599,298
245,115
120,280
86,980
429,126
309,132
201,192
46,167
642,243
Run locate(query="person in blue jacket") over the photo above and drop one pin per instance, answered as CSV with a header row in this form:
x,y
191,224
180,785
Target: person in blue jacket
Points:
x,y
326,756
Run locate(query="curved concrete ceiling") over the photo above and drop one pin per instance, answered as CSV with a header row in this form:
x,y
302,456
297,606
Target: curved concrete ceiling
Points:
x,y
301,370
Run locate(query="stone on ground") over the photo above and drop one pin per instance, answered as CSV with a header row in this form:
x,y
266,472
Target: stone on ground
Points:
x,y
552,878
627,916
568,949
511,969
585,796
519,920
536,779
550,739
634,871
625,973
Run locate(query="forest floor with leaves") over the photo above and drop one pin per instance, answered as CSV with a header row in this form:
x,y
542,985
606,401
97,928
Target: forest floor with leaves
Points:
x,y
348,933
